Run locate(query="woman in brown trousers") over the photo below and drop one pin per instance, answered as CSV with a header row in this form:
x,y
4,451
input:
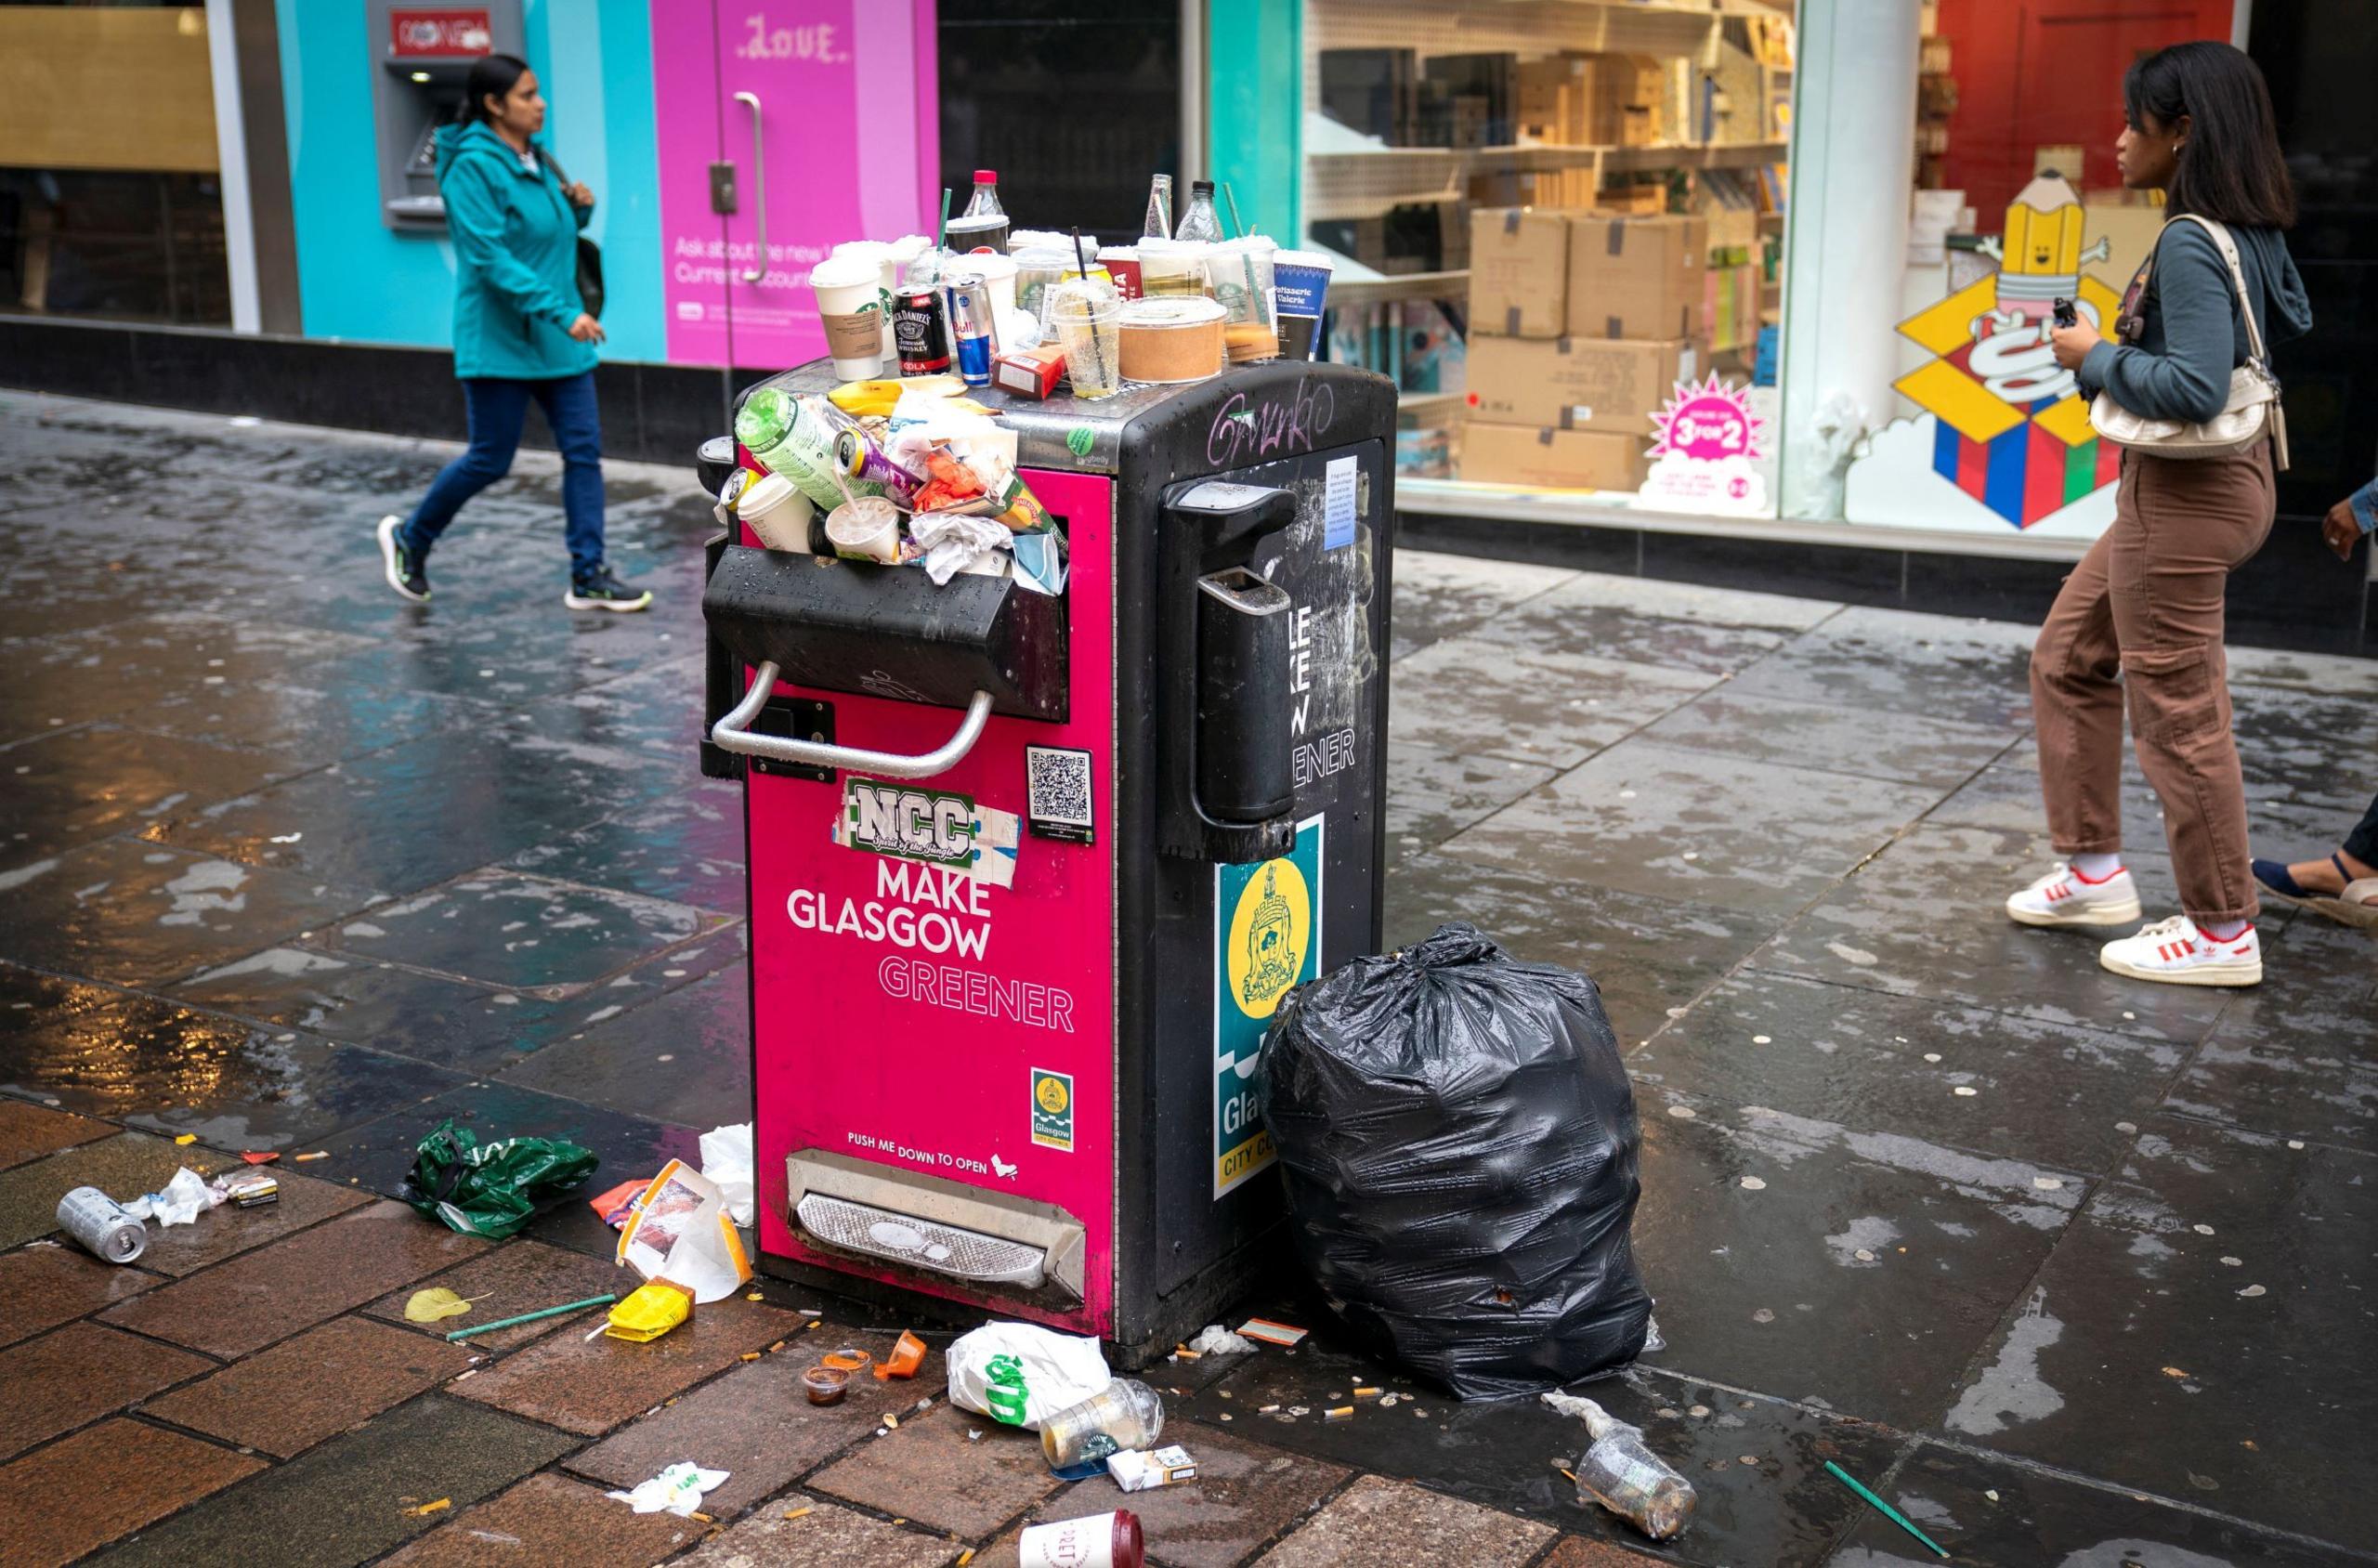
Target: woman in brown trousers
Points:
x,y
2145,605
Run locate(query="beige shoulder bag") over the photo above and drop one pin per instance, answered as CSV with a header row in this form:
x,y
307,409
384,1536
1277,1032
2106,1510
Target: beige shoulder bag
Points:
x,y
2251,415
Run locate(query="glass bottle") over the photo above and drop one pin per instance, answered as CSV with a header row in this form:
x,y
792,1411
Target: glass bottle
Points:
x,y
1622,1474
1200,222
1159,221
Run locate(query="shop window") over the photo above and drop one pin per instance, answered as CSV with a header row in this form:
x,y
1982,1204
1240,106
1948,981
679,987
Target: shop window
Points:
x,y
1559,229
123,247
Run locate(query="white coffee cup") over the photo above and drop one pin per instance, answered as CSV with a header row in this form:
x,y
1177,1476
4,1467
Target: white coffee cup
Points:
x,y
849,302
877,252
776,512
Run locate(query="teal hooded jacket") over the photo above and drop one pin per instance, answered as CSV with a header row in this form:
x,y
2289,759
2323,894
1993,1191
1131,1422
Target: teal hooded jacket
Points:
x,y
516,260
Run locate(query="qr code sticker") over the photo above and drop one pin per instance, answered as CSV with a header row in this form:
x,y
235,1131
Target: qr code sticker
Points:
x,y
1057,793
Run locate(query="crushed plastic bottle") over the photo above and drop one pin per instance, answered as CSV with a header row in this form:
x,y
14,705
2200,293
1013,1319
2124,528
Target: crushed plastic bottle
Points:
x,y
1622,1474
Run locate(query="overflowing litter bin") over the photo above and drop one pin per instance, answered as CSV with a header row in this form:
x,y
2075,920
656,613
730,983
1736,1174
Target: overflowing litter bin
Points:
x,y
1029,873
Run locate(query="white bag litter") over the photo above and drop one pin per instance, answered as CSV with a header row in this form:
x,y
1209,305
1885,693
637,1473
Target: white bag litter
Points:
x,y
728,1165
676,1490
1060,1370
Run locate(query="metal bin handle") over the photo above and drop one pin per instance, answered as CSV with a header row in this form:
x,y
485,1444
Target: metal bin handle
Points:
x,y
732,734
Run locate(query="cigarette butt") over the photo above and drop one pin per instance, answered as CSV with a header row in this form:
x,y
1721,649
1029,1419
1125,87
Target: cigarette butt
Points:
x,y
965,1557
318,1154
1367,1393
704,1517
778,1345
748,1355
1186,1353
1344,1413
806,1311
440,1506
800,1513
755,1296
1266,1410
1567,1472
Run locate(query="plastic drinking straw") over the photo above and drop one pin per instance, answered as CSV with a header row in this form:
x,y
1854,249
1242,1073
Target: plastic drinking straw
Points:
x,y
1082,262
1888,1513
941,235
531,1317
1231,202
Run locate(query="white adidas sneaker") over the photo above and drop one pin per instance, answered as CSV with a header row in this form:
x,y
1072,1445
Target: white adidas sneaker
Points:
x,y
2176,952
2065,897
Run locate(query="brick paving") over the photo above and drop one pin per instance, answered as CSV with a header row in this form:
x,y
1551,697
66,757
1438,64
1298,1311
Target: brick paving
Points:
x,y
2120,1299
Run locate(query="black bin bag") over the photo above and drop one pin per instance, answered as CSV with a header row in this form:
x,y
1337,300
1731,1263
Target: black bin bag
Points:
x,y
1462,1157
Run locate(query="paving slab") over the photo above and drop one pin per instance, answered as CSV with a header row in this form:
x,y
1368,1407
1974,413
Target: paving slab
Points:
x,y
687,850
1871,743
516,932
824,1536
1994,1513
2143,1356
1970,672
134,912
29,1131
1567,621
1439,595
1927,917
1815,1260
92,781
647,712
756,1423
1247,1493
324,712
1379,1520
76,1373
1687,601
348,1500
1475,698
1433,793
931,1471
517,1277
46,1282
119,1476
284,1400
1575,1553
2297,1054
2046,1092
275,1291
129,665
227,1231
683,1057
123,1166
590,1386
550,1518
1761,836
175,1069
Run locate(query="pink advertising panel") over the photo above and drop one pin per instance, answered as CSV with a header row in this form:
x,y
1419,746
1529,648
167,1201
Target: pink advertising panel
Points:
x,y
826,111
934,1022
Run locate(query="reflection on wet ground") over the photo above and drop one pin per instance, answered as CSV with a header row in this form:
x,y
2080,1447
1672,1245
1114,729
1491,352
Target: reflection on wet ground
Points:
x,y
2073,1270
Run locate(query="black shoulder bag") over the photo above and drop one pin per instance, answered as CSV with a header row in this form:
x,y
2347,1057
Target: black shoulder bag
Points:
x,y
590,255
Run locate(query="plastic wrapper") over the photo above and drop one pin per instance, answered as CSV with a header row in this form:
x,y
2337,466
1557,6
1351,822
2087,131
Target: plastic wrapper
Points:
x,y
726,1160
1044,1372
1460,1150
952,541
490,1189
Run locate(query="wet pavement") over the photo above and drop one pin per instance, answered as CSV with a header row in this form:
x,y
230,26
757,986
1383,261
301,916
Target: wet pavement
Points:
x,y
2071,1270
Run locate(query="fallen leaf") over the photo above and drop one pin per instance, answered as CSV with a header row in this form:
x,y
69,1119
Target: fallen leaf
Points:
x,y
437,1303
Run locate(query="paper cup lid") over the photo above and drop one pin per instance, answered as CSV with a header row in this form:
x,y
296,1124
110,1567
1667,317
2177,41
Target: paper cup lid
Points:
x,y
764,492
874,250
1172,310
1300,258
1122,253
1154,245
840,272
993,268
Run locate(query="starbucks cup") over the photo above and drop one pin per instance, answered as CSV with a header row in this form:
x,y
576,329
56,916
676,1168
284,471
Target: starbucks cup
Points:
x,y
865,528
776,512
1172,268
1122,264
999,271
848,304
1299,290
879,253
1241,270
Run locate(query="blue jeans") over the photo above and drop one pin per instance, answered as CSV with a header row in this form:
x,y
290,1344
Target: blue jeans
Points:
x,y
496,410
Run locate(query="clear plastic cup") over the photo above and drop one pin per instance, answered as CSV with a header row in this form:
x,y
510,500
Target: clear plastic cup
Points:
x,y
1172,267
1088,317
1122,1414
1241,270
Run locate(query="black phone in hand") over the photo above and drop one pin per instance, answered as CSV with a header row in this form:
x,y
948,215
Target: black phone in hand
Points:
x,y
2065,315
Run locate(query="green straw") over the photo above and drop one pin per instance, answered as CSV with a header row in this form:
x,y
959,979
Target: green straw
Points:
x,y
941,235
1888,1513
1230,201
531,1317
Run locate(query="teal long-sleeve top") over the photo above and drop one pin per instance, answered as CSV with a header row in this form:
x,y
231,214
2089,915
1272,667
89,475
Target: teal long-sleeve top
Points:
x,y
2191,334
516,260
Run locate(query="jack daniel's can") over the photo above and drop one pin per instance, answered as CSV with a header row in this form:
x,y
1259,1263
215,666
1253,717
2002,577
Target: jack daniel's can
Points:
x,y
920,331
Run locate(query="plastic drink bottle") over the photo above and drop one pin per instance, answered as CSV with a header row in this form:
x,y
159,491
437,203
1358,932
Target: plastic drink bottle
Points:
x,y
1159,220
1625,1477
984,223
1200,222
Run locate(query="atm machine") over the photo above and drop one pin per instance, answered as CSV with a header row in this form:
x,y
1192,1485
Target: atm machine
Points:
x,y
1031,874
421,55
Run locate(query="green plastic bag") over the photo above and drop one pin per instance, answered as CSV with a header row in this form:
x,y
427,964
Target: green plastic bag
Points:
x,y
490,1189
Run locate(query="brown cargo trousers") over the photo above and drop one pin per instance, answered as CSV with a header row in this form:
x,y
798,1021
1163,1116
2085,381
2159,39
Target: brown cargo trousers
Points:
x,y
2146,604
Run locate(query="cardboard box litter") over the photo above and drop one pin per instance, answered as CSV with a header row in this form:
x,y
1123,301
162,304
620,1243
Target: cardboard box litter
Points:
x,y
1636,276
1519,273
1517,455
1576,382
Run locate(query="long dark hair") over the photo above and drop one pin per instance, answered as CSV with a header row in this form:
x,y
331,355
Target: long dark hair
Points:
x,y
495,76
2230,168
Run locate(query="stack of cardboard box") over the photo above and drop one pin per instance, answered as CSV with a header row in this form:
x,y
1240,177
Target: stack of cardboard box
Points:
x,y
1580,323
1591,100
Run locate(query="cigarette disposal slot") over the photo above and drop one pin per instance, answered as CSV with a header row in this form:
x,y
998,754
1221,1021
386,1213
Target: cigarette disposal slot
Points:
x,y
940,1226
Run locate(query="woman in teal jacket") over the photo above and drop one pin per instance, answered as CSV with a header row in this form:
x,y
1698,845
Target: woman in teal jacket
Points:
x,y
520,331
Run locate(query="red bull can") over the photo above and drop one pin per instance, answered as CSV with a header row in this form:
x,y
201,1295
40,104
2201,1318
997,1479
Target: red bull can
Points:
x,y
970,325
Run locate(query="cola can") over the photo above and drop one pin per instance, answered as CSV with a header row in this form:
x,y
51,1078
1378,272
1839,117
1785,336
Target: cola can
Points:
x,y
970,325
920,331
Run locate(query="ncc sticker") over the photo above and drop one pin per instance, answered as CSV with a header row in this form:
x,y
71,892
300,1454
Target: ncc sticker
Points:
x,y
1053,1110
1057,795
1267,941
908,823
